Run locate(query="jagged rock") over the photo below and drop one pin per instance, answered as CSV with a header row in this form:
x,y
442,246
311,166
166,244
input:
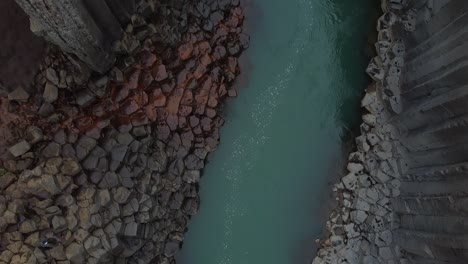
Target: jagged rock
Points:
x,y
159,73
185,51
75,253
109,180
20,148
103,198
46,109
350,181
191,176
33,135
52,76
131,229
6,180
191,206
192,162
58,253
32,239
27,226
171,248
19,94
121,195
59,223
355,167
70,167
52,150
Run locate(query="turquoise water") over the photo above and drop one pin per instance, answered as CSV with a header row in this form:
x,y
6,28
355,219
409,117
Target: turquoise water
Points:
x,y
265,189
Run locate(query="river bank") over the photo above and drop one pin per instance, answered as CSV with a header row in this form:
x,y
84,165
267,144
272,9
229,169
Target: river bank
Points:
x,y
360,227
105,168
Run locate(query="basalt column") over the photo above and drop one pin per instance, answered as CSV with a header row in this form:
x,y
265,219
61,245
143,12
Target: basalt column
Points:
x,y
433,206
84,28
405,199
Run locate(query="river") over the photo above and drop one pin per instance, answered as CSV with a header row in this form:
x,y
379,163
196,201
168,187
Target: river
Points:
x,y
265,191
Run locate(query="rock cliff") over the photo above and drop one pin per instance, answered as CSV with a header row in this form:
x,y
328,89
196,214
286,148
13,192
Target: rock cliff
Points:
x,y
404,199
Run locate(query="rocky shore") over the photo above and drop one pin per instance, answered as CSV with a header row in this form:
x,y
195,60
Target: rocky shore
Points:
x,y
104,168
360,229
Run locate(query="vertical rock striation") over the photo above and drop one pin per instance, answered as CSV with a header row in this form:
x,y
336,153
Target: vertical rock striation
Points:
x,y
404,199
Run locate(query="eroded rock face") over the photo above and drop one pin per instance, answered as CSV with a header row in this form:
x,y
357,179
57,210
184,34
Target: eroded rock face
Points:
x,y
110,172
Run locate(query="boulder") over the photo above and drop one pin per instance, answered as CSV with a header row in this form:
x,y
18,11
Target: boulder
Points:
x,y
59,223
185,51
121,195
27,226
75,253
159,73
50,94
20,148
33,135
171,248
52,76
52,150
70,167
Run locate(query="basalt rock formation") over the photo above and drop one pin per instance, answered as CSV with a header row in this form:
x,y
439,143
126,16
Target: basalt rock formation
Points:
x,y
405,197
105,168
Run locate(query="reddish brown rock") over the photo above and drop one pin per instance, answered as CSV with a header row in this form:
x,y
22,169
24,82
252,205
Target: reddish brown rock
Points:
x,y
166,117
141,98
200,71
151,113
146,79
158,98
219,52
185,51
206,60
159,73
129,107
133,79
122,123
174,101
139,118
84,123
185,110
222,90
204,47
187,98
147,59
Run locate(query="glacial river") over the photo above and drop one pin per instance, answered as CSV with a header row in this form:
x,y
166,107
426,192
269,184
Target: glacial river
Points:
x,y
265,191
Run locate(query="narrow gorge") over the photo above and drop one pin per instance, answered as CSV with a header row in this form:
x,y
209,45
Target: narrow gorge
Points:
x,y
230,131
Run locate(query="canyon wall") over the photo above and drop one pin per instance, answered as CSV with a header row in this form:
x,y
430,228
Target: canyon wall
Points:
x,y
433,204
404,199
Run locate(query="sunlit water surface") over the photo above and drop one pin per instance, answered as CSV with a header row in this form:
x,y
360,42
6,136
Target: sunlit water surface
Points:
x,y
264,191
